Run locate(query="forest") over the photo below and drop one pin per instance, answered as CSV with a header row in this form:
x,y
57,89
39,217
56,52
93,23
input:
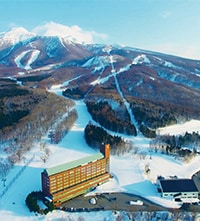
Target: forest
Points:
x,y
117,120
19,131
95,136
60,129
76,92
181,146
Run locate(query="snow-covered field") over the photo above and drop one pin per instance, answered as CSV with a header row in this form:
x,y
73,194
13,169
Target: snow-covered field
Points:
x,y
128,171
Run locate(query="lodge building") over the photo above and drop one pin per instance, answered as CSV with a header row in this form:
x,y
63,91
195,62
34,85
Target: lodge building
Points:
x,y
66,181
183,190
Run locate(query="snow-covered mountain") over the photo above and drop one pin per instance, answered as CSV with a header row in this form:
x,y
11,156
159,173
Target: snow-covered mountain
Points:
x,y
14,36
136,76
147,86
73,33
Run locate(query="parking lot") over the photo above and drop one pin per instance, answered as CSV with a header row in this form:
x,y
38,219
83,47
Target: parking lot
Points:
x,y
123,201
111,201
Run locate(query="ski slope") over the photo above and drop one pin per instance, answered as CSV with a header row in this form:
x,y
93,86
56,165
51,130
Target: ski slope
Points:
x,y
128,171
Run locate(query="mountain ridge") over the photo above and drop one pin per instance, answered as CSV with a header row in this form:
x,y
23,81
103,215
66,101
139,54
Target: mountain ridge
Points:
x,y
151,83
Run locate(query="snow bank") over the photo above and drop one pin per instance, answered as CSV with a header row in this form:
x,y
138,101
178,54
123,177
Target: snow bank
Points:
x,y
190,126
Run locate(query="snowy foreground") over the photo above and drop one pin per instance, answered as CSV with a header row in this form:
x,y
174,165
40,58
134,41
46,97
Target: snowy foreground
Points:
x,y
128,171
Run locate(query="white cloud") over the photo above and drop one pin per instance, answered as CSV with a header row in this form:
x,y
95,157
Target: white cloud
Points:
x,y
99,35
188,51
73,33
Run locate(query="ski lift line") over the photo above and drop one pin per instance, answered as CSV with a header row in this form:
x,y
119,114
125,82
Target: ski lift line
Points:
x,y
126,103
16,176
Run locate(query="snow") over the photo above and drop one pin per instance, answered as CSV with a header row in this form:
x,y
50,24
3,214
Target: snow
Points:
x,y
152,78
46,67
100,63
34,56
104,62
192,126
137,202
66,83
126,68
114,73
70,34
198,75
137,60
21,73
73,33
169,64
141,59
16,35
127,171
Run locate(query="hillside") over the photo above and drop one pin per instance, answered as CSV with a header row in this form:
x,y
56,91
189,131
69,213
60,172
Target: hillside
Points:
x,y
148,89
128,172
25,116
128,92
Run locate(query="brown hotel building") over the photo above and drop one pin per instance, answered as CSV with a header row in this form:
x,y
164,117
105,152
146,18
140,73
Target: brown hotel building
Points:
x,y
66,181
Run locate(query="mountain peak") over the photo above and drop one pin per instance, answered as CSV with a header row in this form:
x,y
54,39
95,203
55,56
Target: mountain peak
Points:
x,y
16,35
73,33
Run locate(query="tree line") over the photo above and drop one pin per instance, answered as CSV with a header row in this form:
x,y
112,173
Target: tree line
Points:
x,y
117,120
61,128
44,109
32,202
190,140
96,136
185,146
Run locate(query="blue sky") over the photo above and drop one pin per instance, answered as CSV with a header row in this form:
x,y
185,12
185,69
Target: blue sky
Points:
x,y
170,26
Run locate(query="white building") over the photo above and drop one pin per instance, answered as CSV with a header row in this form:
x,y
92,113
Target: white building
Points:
x,y
179,189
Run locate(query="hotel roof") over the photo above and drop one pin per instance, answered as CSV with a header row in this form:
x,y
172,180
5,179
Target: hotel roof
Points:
x,y
178,185
66,166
